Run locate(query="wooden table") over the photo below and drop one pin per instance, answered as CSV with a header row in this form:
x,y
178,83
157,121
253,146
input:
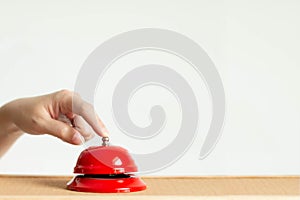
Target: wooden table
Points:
x,y
49,187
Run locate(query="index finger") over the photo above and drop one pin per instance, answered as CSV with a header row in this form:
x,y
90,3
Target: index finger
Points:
x,y
70,102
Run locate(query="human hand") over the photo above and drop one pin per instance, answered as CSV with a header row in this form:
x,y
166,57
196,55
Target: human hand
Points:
x,y
62,114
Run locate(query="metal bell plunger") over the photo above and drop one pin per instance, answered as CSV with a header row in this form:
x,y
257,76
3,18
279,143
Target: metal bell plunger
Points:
x,y
105,141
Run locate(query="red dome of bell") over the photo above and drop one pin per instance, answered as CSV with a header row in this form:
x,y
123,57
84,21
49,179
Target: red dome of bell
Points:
x,y
105,160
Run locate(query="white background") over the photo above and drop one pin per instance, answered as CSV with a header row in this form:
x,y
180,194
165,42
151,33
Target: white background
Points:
x,y
254,45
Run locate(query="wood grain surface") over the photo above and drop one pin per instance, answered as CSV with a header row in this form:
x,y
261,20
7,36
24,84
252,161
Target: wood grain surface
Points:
x,y
51,187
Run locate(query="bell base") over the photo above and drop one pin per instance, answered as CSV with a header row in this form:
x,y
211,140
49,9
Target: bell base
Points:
x,y
81,183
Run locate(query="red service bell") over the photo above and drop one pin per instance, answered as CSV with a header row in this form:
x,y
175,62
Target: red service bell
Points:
x,y
106,169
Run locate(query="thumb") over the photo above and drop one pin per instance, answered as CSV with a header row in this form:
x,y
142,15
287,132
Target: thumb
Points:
x,y
63,131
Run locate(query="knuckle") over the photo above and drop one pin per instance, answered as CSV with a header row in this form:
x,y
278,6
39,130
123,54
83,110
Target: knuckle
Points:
x,y
64,132
87,108
76,94
64,94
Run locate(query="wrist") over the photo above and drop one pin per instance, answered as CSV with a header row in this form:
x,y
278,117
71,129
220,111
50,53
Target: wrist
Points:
x,y
7,126
9,132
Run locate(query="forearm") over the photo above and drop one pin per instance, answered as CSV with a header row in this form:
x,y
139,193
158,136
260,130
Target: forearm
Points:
x,y
9,132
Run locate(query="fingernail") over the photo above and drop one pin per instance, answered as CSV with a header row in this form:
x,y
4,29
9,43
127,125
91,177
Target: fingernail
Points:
x,y
77,138
88,137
